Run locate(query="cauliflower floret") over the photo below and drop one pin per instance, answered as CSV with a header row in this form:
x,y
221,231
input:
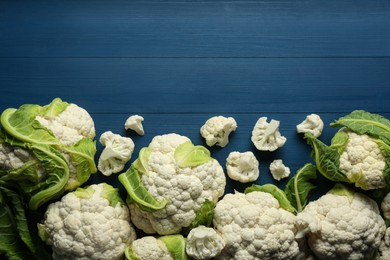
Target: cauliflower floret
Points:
x,y
363,162
217,129
135,123
279,170
204,243
254,226
242,167
342,225
266,136
185,188
312,124
116,154
385,206
90,223
71,125
149,248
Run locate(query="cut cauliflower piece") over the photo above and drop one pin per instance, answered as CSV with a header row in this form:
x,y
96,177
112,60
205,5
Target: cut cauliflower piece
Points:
x,y
135,123
254,226
242,167
312,124
204,243
342,224
116,153
89,223
279,170
217,129
266,136
169,182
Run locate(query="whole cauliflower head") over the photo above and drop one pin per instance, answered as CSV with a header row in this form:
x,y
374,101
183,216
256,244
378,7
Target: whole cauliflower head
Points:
x,y
89,223
342,224
363,162
266,136
171,170
242,167
254,226
116,153
217,129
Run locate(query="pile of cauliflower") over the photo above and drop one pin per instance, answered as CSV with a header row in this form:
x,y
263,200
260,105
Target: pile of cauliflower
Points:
x,y
173,194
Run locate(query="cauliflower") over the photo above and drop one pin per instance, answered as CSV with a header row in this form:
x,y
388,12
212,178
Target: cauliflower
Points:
x,y
385,206
358,153
169,182
254,226
312,124
204,243
217,129
279,170
242,167
89,223
342,224
266,136
116,154
135,123
384,248
46,150
363,162
171,247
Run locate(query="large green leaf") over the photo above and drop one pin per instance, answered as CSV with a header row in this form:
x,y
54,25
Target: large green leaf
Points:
x,y
299,188
327,159
131,180
363,122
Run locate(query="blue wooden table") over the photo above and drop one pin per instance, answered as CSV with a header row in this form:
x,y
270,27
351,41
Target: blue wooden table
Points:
x,y
177,63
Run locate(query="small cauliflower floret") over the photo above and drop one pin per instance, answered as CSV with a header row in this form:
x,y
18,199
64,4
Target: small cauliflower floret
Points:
x,y
89,223
71,125
204,243
279,170
242,167
217,129
13,157
135,123
116,154
342,224
266,136
312,124
363,162
172,170
254,226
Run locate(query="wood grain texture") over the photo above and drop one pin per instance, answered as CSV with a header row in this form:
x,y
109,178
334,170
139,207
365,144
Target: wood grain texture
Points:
x,y
178,63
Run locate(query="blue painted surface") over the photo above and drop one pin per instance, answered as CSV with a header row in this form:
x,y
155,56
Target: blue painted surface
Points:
x,y
178,63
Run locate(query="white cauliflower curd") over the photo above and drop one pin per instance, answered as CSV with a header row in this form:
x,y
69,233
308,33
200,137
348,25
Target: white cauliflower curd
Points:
x,y
204,243
312,124
342,224
266,136
116,153
217,129
279,170
242,167
135,123
169,182
89,223
254,226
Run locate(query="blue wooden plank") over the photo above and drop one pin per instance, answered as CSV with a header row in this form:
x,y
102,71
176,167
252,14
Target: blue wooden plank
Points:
x,y
194,28
200,85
